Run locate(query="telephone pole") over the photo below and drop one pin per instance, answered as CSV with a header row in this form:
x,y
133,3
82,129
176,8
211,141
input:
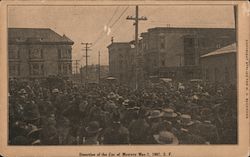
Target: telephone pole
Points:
x,y
136,20
87,48
99,67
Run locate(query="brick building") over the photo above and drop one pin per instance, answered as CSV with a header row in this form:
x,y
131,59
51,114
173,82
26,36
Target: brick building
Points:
x,y
220,65
38,52
175,52
122,62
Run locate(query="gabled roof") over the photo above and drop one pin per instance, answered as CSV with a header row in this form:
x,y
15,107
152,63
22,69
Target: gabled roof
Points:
x,y
41,35
225,50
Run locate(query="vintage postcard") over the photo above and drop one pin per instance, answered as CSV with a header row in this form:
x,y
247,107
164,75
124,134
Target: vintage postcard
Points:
x,y
124,78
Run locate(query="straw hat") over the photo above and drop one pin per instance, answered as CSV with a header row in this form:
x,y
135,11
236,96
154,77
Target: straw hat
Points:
x,y
185,120
155,114
168,112
165,137
55,90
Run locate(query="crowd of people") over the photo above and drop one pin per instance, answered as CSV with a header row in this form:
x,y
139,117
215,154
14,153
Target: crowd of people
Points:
x,y
109,113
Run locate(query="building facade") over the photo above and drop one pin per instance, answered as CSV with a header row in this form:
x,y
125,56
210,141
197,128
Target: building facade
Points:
x,y
38,53
122,62
175,52
219,66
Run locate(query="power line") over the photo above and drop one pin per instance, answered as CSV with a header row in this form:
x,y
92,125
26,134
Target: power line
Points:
x,y
113,15
102,34
119,16
136,20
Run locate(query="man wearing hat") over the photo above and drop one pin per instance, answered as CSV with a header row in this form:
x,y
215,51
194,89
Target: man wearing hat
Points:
x,y
208,131
49,135
31,113
165,137
116,133
63,129
170,115
186,137
154,119
139,128
92,133
186,122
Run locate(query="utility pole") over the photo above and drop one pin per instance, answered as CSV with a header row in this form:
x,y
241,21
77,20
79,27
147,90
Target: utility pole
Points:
x,y
81,73
99,67
87,48
136,20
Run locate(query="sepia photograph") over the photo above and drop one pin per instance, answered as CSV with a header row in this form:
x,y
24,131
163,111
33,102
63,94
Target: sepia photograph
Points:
x,y
122,75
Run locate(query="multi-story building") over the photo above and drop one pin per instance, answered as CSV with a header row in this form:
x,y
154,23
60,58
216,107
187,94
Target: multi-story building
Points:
x,y
38,53
175,52
122,62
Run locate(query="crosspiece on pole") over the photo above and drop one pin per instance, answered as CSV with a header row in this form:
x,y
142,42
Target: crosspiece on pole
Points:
x,y
134,18
87,48
136,23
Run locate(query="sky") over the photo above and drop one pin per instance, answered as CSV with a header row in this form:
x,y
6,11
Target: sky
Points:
x,y
97,24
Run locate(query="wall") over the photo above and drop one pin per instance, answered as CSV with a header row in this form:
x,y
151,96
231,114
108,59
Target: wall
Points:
x,y
214,68
50,58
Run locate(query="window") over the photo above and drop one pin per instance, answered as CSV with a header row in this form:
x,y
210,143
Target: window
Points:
x,y
162,42
218,46
36,53
207,74
59,53
216,74
36,69
69,53
189,42
227,77
189,51
64,53
14,69
163,62
13,53
64,68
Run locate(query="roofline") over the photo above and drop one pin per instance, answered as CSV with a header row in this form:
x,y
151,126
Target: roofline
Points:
x,y
40,43
118,43
191,28
70,42
212,55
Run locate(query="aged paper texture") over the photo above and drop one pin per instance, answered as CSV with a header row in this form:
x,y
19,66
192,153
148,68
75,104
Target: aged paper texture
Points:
x,y
124,78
